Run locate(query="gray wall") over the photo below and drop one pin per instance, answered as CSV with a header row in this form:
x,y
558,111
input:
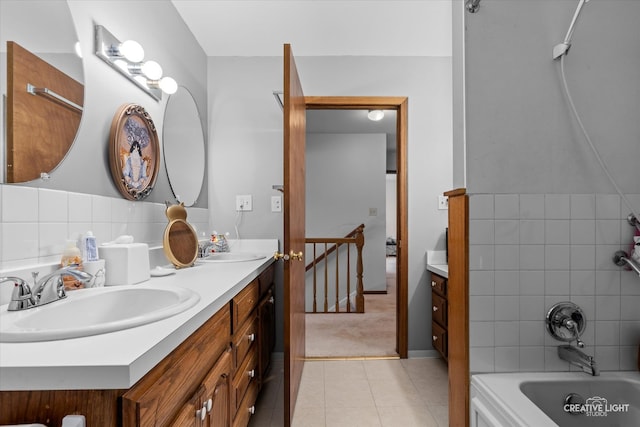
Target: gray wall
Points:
x,y
86,167
246,146
544,220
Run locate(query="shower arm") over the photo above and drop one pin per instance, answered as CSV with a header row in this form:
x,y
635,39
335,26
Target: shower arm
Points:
x,y
620,258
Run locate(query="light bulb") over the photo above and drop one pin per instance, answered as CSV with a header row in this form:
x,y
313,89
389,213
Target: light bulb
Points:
x,y
132,50
152,70
168,85
375,115
78,49
141,79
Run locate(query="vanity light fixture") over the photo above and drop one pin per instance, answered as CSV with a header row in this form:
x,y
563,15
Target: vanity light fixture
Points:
x,y
375,115
127,57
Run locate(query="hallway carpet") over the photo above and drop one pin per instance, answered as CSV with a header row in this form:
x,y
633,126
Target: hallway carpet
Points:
x,y
347,335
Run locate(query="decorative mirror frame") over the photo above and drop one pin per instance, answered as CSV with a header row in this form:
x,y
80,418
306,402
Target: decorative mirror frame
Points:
x,y
132,124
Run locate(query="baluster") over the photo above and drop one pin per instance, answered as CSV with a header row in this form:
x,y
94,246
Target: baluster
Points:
x,y
337,280
326,280
348,277
315,281
359,269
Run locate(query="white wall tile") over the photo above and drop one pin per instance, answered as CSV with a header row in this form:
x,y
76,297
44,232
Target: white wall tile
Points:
x,y
608,307
532,282
507,359
532,232
481,232
53,206
19,241
532,257
507,206
629,307
583,206
481,334
481,206
607,206
557,282
80,208
608,358
481,308
481,359
532,359
557,206
532,307
506,334
507,307
583,257
507,232
532,332
532,206
607,333
507,282
100,209
53,237
481,257
608,232
557,232
551,360
507,257
19,204
557,257
630,333
481,282
607,282
583,282
583,232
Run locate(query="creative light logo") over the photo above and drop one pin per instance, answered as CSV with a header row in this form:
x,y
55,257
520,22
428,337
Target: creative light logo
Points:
x,y
596,406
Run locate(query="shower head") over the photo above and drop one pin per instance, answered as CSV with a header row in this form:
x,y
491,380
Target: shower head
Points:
x,y
562,48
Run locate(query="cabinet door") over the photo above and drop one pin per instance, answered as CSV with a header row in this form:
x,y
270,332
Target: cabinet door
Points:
x,y
191,413
217,392
267,332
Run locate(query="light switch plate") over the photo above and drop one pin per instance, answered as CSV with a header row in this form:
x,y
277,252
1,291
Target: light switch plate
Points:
x,y
443,203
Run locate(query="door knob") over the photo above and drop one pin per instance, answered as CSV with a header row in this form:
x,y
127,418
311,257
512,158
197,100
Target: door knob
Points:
x,y
296,256
279,255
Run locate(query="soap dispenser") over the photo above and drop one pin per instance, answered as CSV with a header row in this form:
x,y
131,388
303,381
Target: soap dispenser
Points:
x,y
71,257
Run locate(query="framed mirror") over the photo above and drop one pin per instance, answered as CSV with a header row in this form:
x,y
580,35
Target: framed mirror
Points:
x,y
183,147
39,125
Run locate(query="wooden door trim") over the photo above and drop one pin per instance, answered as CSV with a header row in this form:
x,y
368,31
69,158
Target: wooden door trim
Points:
x,y
400,104
458,315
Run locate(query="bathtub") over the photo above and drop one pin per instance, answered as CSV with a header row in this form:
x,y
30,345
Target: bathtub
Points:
x,y
538,399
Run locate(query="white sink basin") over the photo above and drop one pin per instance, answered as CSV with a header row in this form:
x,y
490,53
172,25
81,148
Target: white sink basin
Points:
x,y
232,257
94,311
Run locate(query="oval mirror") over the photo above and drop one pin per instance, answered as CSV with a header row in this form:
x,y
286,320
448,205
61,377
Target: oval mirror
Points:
x,y
44,93
183,147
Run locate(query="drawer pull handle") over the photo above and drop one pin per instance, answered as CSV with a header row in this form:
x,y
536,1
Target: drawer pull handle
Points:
x,y
202,413
433,283
252,410
272,300
435,338
435,308
209,404
252,337
252,373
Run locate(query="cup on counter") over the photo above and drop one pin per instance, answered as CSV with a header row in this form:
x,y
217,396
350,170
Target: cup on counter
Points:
x,y
97,270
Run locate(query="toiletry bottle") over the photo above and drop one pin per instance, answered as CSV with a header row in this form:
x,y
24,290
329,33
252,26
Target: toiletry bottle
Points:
x,y
89,247
71,256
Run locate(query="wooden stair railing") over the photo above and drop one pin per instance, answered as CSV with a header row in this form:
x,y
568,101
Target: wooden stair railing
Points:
x,y
331,245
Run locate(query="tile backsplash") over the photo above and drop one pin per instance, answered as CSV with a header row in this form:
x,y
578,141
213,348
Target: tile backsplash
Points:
x,y
529,251
35,223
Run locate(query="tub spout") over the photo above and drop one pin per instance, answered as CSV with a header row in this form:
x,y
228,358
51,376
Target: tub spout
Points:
x,y
578,358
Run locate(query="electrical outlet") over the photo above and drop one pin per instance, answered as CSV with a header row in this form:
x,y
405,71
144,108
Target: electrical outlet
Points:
x,y
276,204
244,203
443,203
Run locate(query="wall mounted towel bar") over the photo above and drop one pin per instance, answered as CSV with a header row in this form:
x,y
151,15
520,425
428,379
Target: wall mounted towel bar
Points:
x,y
49,93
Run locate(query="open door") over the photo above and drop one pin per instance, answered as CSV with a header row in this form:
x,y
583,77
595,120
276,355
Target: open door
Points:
x,y
294,233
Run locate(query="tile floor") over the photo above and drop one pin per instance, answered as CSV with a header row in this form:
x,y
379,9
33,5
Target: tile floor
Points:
x,y
353,393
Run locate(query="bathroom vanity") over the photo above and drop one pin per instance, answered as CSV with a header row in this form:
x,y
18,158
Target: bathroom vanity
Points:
x,y
438,271
202,367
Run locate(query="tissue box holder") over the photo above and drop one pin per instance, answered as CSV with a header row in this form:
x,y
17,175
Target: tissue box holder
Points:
x,y
126,264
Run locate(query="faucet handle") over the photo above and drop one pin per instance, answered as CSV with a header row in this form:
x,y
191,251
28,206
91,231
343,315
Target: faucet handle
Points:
x,y
21,296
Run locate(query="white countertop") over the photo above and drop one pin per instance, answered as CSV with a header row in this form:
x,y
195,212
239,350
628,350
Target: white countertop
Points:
x,y
437,263
117,360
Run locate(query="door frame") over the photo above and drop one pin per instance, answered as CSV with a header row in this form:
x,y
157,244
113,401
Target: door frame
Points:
x,y
400,105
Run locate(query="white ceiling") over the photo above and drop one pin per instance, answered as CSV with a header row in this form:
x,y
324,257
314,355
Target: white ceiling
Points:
x,y
320,27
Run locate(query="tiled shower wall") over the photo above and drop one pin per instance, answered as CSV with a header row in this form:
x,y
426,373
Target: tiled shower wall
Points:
x,y
529,251
35,223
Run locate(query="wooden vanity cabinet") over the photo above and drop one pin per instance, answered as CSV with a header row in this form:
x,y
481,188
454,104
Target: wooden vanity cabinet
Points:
x,y
210,406
212,379
175,381
439,313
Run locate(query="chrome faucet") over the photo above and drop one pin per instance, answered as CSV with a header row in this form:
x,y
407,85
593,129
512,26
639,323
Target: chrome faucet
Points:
x,y
46,290
578,358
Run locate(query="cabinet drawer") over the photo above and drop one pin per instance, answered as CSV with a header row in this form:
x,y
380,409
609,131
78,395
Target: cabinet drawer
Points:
x,y
439,284
243,377
159,395
244,340
243,304
439,309
439,338
265,280
247,406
